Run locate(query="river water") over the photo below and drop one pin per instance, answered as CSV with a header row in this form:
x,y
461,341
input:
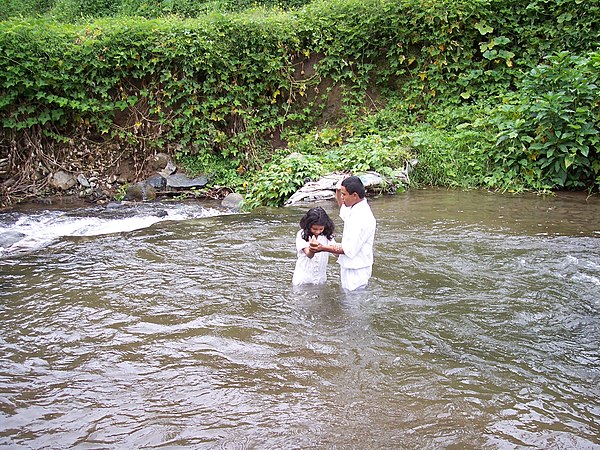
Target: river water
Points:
x,y
480,329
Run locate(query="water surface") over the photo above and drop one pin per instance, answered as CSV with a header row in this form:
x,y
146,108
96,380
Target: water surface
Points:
x,y
480,329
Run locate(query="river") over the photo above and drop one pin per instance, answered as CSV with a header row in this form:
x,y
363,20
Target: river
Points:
x,y
176,326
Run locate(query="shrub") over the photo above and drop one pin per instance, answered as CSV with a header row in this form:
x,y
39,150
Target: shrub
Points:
x,y
550,128
281,178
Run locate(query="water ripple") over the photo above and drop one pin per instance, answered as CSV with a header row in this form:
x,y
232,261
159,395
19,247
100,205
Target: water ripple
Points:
x,y
479,330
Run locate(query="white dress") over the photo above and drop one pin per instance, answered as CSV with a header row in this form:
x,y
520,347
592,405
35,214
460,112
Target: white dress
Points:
x,y
310,270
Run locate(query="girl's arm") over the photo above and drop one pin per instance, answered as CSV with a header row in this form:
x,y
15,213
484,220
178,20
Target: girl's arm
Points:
x,y
309,251
303,246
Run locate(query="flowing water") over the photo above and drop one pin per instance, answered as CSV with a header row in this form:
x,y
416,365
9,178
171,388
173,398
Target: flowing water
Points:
x,y
480,329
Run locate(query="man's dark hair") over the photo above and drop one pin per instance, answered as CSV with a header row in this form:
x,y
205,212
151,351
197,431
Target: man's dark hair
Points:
x,y
354,184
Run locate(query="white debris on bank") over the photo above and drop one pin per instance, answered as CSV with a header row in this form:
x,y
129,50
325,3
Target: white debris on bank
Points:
x,y
324,188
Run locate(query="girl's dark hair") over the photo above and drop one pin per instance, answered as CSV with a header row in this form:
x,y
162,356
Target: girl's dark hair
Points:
x,y
316,216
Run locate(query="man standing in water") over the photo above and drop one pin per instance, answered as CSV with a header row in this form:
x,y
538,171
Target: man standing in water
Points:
x,y
356,249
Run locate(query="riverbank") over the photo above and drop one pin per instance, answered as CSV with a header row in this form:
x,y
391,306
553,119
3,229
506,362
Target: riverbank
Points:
x,y
158,177
464,89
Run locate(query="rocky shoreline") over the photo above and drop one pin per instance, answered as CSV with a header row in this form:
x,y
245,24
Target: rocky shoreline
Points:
x,y
161,179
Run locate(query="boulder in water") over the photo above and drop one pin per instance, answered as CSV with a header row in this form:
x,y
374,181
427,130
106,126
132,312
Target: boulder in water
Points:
x,y
232,201
140,192
371,180
8,238
322,189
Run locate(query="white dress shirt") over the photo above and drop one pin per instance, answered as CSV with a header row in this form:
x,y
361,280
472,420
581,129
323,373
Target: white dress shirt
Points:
x,y
358,235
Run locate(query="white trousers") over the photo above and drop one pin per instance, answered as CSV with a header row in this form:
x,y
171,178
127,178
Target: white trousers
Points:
x,y
353,279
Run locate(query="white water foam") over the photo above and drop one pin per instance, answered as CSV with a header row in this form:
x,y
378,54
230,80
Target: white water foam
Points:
x,y
32,231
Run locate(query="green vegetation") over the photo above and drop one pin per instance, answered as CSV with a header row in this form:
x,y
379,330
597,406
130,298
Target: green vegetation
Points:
x,y
488,93
74,11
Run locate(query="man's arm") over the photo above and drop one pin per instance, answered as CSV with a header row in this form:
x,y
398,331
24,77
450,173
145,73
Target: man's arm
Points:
x,y
336,249
338,191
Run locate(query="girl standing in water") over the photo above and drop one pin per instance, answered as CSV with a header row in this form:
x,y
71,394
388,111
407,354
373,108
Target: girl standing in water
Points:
x,y
311,267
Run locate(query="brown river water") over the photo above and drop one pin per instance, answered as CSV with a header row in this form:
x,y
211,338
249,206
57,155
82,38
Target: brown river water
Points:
x,y
480,329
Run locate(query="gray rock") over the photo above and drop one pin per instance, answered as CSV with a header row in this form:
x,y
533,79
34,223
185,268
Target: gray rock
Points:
x,y
92,195
83,180
180,181
160,161
322,189
169,169
158,182
312,196
8,238
371,180
62,180
233,201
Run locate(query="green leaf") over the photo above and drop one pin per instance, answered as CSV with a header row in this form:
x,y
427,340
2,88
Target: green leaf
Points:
x,y
483,28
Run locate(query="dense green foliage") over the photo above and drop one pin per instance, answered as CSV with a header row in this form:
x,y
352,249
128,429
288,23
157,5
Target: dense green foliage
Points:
x,y
485,93
549,129
78,10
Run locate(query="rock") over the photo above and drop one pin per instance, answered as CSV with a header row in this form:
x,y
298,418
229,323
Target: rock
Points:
x,y
62,180
233,201
93,195
82,180
9,238
403,175
169,169
322,189
180,181
159,161
371,180
158,182
140,192
312,196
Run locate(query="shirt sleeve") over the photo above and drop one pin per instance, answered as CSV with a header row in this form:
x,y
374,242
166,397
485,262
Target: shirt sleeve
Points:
x,y
357,232
301,244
